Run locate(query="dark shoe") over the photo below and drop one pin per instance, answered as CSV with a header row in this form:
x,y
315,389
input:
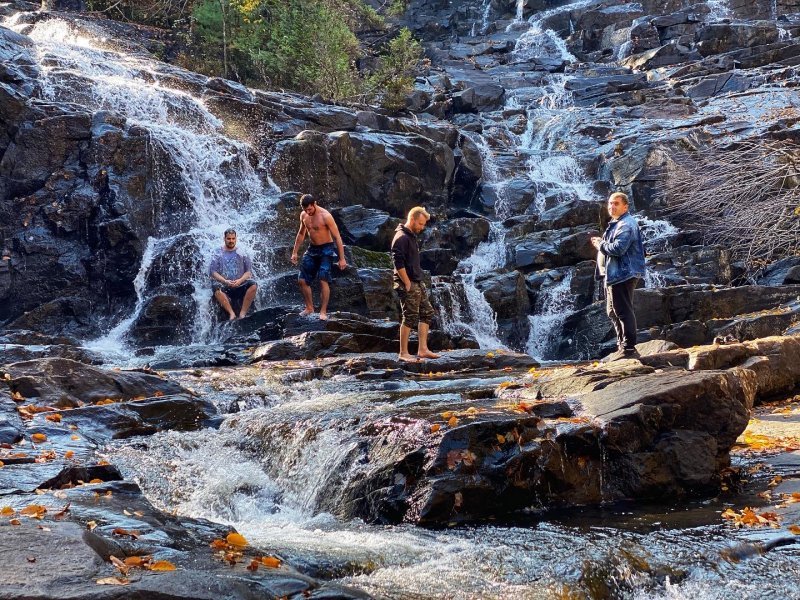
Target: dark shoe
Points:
x,y
616,355
620,355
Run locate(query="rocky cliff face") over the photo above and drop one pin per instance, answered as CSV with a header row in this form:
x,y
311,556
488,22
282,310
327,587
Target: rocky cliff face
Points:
x,y
119,172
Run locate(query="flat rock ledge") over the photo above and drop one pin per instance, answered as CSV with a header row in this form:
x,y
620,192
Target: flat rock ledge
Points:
x,y
656,429
65,512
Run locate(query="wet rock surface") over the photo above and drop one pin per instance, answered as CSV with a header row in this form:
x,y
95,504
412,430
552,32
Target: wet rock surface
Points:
x,y
73,527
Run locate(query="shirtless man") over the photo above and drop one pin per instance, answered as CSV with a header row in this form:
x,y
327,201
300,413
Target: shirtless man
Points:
x,y
326,245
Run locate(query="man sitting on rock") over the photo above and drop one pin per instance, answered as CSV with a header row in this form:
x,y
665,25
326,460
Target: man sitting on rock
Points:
x,y
414,304
620,260
326,245
231,275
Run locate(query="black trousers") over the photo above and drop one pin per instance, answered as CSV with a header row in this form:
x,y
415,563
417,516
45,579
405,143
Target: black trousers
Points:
x,y
619,307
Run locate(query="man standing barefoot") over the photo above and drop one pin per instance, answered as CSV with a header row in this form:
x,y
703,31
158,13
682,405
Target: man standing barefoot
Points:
x,y
326,245
231,276
414,303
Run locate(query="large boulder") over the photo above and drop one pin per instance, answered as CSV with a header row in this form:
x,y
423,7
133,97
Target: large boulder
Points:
x,y
66,383
385,171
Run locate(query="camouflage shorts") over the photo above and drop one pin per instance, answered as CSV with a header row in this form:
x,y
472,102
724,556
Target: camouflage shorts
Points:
x,y
415,305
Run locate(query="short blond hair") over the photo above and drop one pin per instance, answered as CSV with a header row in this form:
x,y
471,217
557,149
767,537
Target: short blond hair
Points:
x,y
621,195
416,211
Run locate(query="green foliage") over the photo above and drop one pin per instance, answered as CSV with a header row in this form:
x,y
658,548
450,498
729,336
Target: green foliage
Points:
x,y
305,45
398,7
394,79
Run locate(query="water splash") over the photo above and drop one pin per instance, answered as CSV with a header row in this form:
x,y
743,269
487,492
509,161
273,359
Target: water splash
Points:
x,y
539,41
214,172
657,237
553,305
718,10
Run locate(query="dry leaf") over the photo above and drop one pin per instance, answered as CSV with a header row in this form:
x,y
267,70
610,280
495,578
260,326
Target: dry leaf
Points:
x,y
39,437
501,438
69,454
435,427
91,525
162,565
253,566
14,522
121,531
218,544
795,529
113,581
35,511
74,437
237,540
271,562
56,418
453,421
6,511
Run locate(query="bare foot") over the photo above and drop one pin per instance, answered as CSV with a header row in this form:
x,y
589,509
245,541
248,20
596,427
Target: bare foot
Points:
x,y
232,317
242,316
306,312
427,354
408,358
323,316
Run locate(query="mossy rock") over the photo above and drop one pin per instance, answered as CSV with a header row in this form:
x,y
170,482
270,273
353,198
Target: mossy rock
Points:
x,y
365,259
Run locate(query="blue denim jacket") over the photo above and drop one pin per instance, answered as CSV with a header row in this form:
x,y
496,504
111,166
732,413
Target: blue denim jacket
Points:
x,y
624,250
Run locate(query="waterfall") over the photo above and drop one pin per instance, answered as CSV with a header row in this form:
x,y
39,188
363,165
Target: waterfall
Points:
x,y
555,302
719,9
538,39
520,10
475,316
215,174
486,11
656,235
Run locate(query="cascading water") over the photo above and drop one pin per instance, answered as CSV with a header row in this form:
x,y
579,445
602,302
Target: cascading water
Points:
x,y
555,302
656,235
214,172
719,9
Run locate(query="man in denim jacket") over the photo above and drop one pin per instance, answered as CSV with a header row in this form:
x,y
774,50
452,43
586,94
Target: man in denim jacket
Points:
x,y
620,260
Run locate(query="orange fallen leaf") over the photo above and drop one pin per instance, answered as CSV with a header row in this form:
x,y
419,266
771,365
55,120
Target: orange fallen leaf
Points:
x,y
14,522
795,529
447,415
56,418
453,421
137,561
69,454
218,544
271,562
253,566
158,394
96,480
17,397
36,511
236,539
162,565
501,438
435,427
39,437
6,511
74,437
121,531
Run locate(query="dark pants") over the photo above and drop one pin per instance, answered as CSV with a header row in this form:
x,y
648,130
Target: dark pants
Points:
x,y
619,307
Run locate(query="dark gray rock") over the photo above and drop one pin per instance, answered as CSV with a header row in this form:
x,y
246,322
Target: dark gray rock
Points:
x,y
366,227
65,383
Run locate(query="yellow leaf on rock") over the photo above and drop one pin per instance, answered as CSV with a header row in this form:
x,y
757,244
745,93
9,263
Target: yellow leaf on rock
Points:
x,y
14,522
74,437
39,437
795,529
162,565
236,539
6,511
69,454
452,422
56,418
501,438
447,414
435,427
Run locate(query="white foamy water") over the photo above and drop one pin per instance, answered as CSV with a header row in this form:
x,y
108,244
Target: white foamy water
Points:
x,y
719,9
540,41
554,304
212,169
